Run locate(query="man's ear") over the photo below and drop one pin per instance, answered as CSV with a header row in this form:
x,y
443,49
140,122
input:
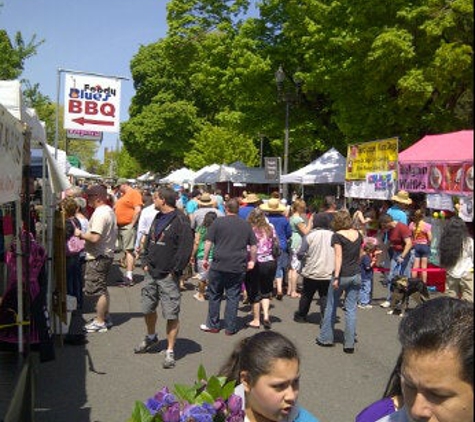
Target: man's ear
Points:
x,y
245,381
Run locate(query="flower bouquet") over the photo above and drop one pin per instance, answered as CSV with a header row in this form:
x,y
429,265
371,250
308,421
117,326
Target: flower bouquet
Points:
x,y
207,400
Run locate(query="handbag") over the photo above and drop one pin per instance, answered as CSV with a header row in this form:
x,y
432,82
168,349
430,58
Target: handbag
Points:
x,y
276,250
74,245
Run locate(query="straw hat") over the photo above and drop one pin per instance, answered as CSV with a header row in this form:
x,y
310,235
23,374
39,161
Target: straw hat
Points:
x,y
402,197
273,205
251,198
205,200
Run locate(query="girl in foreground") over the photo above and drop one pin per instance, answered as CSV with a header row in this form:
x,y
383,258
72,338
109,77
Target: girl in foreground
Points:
x,y
266,369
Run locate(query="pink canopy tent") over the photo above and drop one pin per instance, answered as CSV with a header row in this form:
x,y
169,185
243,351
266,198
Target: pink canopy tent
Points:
x,y
438,164
447,147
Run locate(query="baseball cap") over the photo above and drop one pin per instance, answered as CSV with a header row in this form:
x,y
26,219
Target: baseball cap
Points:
x,y
122,181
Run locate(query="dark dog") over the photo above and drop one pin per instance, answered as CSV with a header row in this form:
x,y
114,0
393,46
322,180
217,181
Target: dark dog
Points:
x,y
404,288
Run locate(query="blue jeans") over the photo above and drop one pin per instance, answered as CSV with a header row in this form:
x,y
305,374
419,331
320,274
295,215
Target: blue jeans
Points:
x,y
365,292
218,283
396,268
350,285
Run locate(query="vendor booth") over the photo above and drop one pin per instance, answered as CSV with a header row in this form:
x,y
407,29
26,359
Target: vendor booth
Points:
x,y
440,166
234,178
328,169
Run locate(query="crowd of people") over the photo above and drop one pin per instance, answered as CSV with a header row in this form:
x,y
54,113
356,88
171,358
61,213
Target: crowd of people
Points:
x,y
254,250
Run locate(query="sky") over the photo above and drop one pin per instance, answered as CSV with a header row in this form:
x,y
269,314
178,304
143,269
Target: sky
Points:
x,y
98,36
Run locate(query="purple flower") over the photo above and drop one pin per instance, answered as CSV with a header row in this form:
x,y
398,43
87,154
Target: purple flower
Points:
x,y
172,413
237,417
220,405
196,413
153,405
165,396
234,404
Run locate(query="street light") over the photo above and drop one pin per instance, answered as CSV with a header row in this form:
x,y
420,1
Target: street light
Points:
x,y
288,97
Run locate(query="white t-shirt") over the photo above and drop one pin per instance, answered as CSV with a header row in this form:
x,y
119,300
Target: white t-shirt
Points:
x,y
102,222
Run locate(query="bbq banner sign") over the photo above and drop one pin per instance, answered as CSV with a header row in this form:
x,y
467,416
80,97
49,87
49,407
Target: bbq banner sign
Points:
x,y
92,103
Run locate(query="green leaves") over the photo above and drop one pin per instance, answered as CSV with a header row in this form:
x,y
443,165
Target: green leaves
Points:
x,y
205,389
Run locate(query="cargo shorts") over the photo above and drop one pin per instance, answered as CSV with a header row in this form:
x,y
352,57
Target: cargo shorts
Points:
x,y
165,291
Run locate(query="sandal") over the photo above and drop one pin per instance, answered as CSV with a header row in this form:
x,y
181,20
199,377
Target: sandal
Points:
x,y
255,327
267,324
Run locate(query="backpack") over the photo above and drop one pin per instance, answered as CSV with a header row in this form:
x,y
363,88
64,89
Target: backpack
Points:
x,y
74,245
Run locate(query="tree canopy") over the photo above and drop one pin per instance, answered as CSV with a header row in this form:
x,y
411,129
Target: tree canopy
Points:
x,y
368,69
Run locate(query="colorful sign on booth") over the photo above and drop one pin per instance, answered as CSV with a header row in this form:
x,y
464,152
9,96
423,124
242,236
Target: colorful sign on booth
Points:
x,y
451,178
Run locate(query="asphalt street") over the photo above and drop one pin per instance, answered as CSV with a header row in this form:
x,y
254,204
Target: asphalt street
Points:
x,y
100,381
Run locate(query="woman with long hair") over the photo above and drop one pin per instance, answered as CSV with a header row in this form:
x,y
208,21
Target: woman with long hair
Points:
x,y
346,242
198,254
421,240
300,227
260,280
456,256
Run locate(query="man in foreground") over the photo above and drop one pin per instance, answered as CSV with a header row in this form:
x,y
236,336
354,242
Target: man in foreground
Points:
x,y
167,251
437,363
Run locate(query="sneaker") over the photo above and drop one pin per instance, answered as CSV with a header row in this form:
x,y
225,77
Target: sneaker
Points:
x,y
95,327
368,306
385,304
205,328
169,361
146,345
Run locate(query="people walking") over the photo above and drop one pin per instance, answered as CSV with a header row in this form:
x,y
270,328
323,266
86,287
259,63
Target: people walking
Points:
x,y
250,201
167,252
300,227
318,259
346,242
127,211
275,212
146,218
421,240
198,254
368,262
231,237
399,250
456,256
100,244
74,248
260,280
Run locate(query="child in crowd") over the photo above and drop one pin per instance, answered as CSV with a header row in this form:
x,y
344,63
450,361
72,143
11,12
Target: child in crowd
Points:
x,y
368,261
266,369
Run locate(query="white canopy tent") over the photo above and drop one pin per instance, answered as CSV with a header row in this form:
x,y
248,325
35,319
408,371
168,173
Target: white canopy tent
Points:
x,y
179,176
328,169
146,177
234,173
82,174
206,174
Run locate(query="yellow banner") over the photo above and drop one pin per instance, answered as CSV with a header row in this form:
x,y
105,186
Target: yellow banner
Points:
x,y
371,157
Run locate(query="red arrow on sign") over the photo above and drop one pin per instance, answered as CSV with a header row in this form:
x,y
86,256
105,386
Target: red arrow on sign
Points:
x,y
83,121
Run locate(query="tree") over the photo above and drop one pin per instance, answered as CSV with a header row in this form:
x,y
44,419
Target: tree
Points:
x,y
370,70
215,144
13,55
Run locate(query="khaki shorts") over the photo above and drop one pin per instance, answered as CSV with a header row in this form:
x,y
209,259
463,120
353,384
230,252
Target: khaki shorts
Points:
x,y
126,237
95,276
166,291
